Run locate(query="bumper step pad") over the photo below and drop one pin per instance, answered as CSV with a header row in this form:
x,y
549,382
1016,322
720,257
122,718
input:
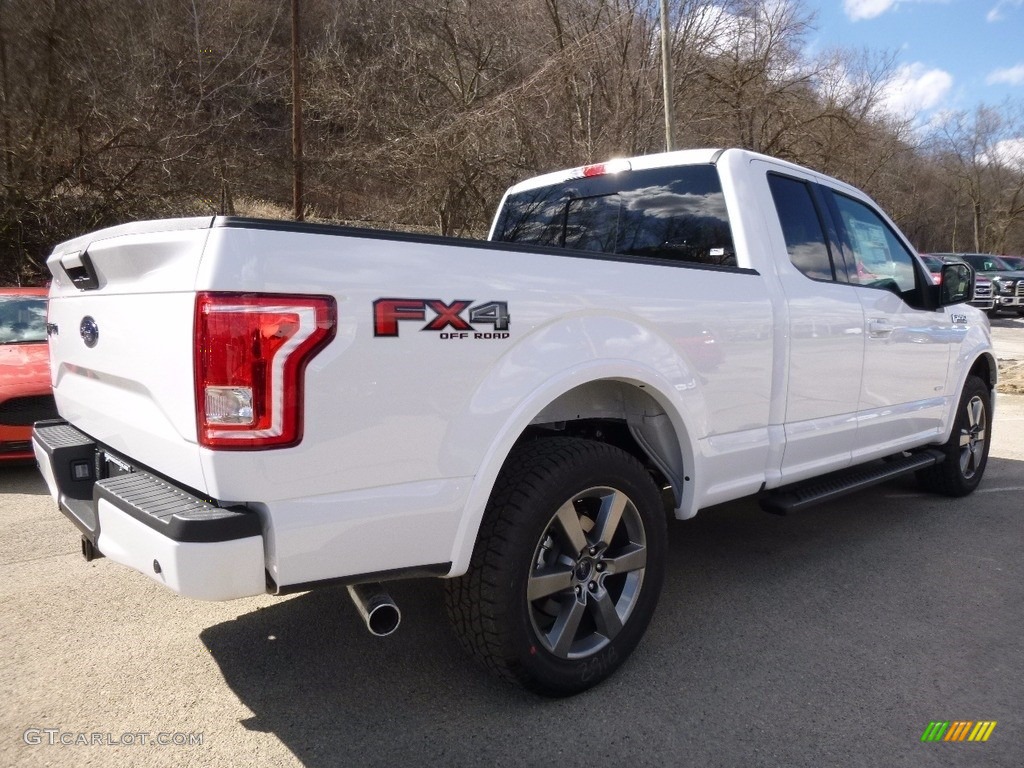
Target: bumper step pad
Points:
x,y
175,513
75,461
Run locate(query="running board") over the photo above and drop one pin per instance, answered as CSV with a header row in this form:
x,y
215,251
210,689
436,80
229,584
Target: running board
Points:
x,y
815,491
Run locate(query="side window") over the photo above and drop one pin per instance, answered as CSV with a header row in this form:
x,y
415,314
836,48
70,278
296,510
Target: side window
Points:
x,y
801,227
880,259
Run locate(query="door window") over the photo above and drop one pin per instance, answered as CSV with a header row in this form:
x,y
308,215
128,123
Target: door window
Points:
x,y
801,227
880,260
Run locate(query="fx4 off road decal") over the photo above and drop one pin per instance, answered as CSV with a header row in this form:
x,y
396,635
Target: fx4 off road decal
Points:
x,y
458,320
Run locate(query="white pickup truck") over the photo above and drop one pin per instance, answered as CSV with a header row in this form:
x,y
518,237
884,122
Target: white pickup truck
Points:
x,y
257,406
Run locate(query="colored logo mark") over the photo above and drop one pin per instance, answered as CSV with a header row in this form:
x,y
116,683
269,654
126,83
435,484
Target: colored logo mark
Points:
x,y
958,730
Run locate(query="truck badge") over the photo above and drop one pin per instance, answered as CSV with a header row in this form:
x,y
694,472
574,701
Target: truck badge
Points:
x,y
90,331
388,313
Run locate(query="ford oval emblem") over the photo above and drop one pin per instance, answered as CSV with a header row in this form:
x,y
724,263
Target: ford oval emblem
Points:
x,y
90,331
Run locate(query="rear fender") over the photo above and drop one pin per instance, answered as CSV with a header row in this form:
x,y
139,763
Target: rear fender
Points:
x,y
616,360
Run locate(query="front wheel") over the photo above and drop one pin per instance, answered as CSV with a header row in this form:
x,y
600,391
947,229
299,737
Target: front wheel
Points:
x,y
966,451
567,568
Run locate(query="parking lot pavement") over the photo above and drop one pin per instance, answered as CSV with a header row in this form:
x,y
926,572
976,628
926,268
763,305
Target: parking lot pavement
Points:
x,y
831,637
1008,335
1008,432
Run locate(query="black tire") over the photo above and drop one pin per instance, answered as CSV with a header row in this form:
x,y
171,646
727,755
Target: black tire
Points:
x,y
549,601
967,448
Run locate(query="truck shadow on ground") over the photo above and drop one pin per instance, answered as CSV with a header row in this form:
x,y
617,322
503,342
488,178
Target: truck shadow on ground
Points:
x,y
22,477
824,625
1005,320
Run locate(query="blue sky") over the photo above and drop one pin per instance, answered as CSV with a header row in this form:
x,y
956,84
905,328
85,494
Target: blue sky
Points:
x,y
951,54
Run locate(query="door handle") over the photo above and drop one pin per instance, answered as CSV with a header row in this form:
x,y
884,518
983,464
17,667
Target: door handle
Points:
x,y
878,329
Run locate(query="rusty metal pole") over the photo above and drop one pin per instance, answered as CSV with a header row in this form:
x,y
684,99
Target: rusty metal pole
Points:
x,y
296,118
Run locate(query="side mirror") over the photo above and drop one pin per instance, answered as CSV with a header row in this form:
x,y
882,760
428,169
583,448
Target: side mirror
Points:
x,y
957,284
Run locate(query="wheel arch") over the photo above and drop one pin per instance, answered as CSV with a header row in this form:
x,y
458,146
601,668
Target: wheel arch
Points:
x,y
983,366
986,369
624,413
622,392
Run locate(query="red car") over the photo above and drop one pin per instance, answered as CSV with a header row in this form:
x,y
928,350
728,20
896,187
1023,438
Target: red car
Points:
x,y
25,392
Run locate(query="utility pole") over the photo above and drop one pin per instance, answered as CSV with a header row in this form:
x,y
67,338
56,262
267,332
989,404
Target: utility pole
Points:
x,y
296,118
666,76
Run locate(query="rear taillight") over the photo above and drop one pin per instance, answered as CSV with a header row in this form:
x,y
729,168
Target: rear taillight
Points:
x,y
251,352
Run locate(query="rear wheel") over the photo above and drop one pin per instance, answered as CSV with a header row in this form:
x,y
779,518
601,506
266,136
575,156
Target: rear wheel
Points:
x,y
567,568
966,451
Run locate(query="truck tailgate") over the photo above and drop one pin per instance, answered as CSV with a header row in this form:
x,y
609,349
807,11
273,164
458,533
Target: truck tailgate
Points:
x,y
121,314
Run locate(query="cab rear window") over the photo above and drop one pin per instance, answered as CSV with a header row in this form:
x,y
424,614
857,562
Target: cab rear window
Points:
x,y
675,214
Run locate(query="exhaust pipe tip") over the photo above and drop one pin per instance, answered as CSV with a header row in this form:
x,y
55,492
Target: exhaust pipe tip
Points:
x,y
378,611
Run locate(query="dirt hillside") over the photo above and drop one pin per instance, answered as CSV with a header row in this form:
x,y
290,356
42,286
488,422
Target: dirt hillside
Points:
x,y
1011,377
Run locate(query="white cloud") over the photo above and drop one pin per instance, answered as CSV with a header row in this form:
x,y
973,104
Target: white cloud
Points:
x,y
721,33
866,9
858,10
1009,152
998,10
1010,76
915,89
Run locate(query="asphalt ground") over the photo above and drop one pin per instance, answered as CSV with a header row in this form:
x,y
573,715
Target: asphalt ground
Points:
x,y
830,637
1008,339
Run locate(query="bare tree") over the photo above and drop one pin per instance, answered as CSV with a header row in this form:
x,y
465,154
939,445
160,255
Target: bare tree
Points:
x,y
113,110
984,154
418,113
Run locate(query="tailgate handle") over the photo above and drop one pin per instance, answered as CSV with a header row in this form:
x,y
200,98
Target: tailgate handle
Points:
x,y
78,267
